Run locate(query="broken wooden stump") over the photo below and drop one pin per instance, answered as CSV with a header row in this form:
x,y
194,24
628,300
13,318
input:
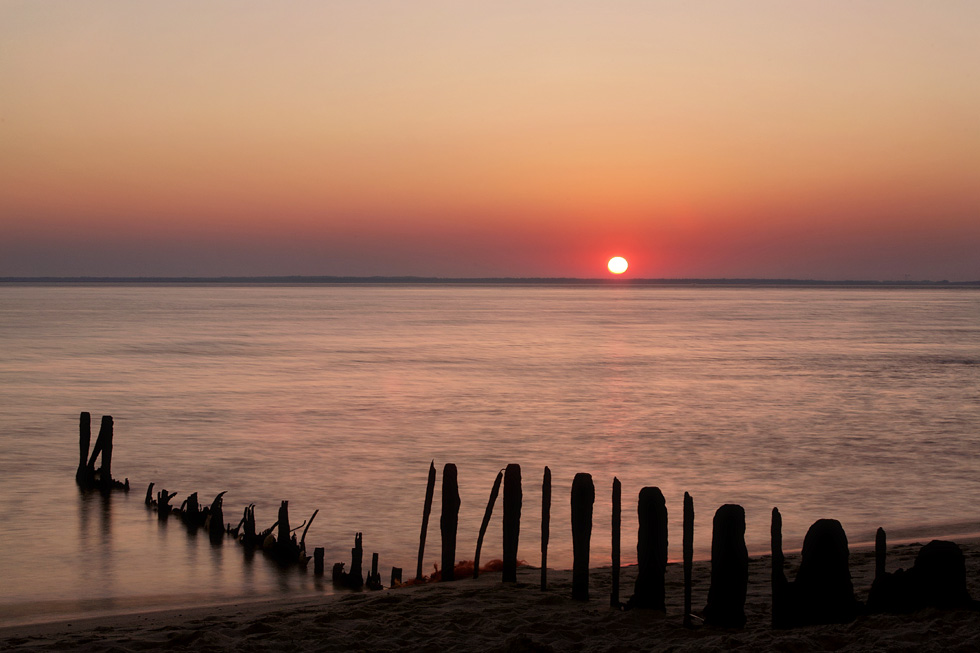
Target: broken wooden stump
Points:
x,y
822,592
216,519
583,499
513,498
83,475
651,551
729,569
688,556
937,579
617,521
449,521
487,514
373,581
149,500
780,586
426,509
354,578
318,553
396,577
86,476
545,525
163,504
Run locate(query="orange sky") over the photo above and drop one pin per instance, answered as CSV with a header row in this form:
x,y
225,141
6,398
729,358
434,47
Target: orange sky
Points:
x,y
698,139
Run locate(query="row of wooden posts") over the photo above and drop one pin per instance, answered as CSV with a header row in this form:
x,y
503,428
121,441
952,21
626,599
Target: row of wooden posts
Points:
x,y
821,593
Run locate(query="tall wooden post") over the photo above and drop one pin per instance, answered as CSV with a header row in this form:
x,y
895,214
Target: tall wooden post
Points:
x,y
583,499
729,569
486,522
105,473
82,475
688,555
449,521
880,553
430,488
545,525
778,576
617,520
513,498
651,551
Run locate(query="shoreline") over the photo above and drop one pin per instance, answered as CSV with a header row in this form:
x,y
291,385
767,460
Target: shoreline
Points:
x,y
485,614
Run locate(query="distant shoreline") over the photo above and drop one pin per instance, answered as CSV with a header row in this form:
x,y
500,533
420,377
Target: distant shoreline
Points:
x,y
496,281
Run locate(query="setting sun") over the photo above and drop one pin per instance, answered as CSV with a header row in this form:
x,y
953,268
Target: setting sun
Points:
x,y
617,265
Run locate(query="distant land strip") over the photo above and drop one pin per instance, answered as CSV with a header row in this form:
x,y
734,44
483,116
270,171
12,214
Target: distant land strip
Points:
x,y
519,281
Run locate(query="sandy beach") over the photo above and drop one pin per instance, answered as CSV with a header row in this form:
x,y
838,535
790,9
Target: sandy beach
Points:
x,y
485,614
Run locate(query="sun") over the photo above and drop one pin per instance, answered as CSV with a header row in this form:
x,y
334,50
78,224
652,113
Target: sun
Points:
x,y
617,265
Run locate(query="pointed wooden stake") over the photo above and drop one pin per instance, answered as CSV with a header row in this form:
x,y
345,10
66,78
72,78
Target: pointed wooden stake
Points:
x,y
429,491
486,522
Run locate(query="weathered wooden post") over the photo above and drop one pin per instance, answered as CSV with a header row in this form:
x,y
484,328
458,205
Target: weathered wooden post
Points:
x,y
545,525
486,522
779,584
356,577
430,488
396,576
105,436
688,555
729,569
449,521
513,498
82,475
282,537
216,519
880,553
374,578
617,520
651,551
583,499
149,495
318,553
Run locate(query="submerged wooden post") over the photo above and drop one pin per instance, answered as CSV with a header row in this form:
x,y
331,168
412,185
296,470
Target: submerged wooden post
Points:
x,y
356,577
880,553
282,537
449,521
396,576
583,499
374,578
430,488
82,475
486,522
318,560
651,551
513,498
545,525
216,519
617,520
105,472
729,569
688,555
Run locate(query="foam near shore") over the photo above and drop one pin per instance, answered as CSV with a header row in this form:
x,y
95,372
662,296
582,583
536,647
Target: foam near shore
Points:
x,y
485,614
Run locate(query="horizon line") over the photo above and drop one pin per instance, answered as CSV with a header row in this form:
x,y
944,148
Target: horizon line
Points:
x,y
409,279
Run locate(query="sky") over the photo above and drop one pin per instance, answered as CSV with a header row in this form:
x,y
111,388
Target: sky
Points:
x,y
811,140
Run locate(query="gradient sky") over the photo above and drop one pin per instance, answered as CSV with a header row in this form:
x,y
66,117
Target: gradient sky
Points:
x,y
831,140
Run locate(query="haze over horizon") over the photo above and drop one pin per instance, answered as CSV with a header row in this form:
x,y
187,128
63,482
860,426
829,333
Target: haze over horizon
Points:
x,y
759,139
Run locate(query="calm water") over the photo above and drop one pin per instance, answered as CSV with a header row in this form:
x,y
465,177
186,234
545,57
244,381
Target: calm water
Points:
x,y
862,405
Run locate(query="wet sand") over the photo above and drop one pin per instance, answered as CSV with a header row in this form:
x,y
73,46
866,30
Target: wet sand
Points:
x,y
487,615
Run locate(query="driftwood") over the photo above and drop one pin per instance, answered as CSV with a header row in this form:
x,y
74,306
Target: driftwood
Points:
x,y
688,555
545,525
583,498
487,514
651,551
449,521
617,521
427,508
513,498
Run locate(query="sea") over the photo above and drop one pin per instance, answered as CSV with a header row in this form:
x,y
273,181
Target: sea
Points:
x,y
858,404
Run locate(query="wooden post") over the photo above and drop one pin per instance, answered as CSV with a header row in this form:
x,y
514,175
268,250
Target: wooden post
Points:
x,y
105,473
688,555
651,551
486,522
617,520
355,578
216,519
583,498
318,560
282,537
729,569
513,498
82,475
545,525
880,552
449,521
374,578
778,577
429,491
396,576
149,495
